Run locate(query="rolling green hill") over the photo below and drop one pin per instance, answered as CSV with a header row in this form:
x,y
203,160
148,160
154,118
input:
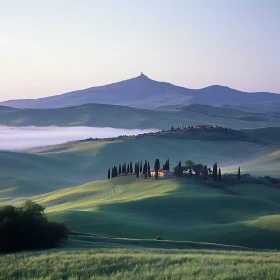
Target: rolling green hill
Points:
x,y
176,209
100,115
75,163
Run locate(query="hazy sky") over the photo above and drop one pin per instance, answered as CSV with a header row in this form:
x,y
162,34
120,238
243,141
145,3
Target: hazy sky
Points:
x,y
49,47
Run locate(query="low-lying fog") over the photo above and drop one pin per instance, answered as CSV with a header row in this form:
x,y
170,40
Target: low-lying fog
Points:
x,y
20,138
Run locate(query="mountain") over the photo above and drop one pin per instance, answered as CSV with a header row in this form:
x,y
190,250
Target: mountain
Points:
x,y
143,92
103,115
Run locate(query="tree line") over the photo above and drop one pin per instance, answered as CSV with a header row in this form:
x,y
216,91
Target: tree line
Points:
x,y
140,167
200,170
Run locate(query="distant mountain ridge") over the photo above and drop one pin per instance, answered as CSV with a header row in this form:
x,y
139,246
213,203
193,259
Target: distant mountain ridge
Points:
x,y
145,93
106,115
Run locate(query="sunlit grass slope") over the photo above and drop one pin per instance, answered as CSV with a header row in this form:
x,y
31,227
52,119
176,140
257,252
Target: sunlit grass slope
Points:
x,y
137,264
75,163
174,209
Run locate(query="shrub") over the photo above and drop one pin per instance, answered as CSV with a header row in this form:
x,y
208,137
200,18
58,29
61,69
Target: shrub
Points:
x,y
27,228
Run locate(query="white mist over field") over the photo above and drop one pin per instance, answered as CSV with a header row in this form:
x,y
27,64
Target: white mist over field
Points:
x,y
20,138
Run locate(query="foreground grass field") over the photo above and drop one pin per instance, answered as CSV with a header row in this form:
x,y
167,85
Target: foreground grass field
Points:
x,y
140,264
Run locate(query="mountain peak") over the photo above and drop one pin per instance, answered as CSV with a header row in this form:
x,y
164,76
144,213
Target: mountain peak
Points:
x,y
143,76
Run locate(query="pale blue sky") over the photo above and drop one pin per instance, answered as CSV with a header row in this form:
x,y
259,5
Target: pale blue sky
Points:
x,y
54,46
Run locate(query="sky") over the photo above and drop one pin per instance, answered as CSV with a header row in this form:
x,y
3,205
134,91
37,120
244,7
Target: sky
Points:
x,y
51,47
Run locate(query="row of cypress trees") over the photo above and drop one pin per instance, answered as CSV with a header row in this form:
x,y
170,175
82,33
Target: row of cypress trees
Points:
x,y
139,168
124,169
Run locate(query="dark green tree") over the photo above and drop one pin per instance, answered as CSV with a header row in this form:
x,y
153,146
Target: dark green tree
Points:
x,y
198,169
131,168
205,172
127,169
220,175
157,167
137,170
120,169
27,228
189,166
215,171
239,173
178,169
149,170
166,165
145,168
109,174
141,167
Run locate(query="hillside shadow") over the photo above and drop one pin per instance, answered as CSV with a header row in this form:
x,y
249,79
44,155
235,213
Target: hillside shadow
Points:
x,y
203,216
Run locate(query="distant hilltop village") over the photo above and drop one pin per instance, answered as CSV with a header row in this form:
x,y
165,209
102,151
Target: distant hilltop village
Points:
x,y
198,127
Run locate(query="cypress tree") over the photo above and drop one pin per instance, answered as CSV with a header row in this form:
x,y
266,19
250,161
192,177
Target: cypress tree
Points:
x,y
135,166
141,168
145,169
239,173
120,169
180,168
168,165
215,171
137,170
131,168
115,171
149,170
109,174
157,166
127,169
205,172
220,175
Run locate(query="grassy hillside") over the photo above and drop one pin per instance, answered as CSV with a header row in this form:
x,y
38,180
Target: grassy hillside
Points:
x,y
174,209
100,115
137,264
75,163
